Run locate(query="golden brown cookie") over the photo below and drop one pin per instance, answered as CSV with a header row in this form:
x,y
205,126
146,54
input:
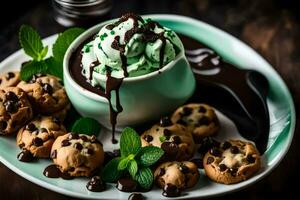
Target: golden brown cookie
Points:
x,y
180,174
234,161
77,154
39,134
9,79
15,110
175,140
200,119
46,94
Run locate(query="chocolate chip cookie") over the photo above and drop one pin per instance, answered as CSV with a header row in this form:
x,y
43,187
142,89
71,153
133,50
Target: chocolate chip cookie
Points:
x,y
174,139
180,174
200,119
77,154
15,110
234,161
39,134
46,94
9,79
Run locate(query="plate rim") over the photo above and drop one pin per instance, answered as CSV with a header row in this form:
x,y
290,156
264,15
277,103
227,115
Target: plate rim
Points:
x,y
238,186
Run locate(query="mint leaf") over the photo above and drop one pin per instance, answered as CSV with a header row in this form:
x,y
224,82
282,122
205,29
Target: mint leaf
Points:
x,y
144,177
87,126
32,67
54,68
63,42
130,142
110,173
123,164
132,168
150,155
31,42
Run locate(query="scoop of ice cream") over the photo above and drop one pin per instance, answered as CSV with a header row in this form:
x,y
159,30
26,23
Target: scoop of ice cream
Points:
x,y
130,47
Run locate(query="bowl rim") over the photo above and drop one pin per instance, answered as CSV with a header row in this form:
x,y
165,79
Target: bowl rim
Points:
x,y
92,31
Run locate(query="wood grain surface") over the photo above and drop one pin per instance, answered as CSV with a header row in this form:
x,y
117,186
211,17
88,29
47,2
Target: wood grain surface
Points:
x,y
272,27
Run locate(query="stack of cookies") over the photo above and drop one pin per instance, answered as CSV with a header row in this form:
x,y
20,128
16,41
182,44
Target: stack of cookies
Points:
x,y
35,111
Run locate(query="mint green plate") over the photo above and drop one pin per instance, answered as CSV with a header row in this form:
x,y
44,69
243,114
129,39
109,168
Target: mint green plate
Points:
x,y
280,104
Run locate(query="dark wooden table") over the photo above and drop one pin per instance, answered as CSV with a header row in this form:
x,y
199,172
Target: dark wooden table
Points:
x,y
270,27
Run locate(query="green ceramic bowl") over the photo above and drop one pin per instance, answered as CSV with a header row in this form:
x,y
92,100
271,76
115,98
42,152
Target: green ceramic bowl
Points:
x,y
143,98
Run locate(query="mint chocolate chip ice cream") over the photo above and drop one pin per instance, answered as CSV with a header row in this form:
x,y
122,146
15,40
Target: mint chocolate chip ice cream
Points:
x,y
131,46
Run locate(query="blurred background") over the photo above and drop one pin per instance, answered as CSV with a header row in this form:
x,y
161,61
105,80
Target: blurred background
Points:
x,y
272,27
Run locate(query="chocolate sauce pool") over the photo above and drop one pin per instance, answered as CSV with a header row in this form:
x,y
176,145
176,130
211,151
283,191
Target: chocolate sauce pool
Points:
x,y
239,94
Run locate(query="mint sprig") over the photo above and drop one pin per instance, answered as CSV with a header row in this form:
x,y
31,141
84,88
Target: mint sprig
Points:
x,y
32,45
135,160
31,42
87,126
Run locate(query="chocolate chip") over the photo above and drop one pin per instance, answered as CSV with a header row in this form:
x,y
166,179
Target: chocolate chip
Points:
x,y
10,107
0,80
53,154
3,125
167,132
43,130
47,88
37,142
186,111
171,190
73,136
215,151
234,150
21,145
250,159
71,169
96,184
90,151
56,120
203,121
30,127
126,185
210,160
84,138
226,145
170,148
165,121
222,167
65,143
206,144
9,75
136,196
233,171
176,139
182,122
148,138
162,171
78,146
11,96
184,169
202,109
